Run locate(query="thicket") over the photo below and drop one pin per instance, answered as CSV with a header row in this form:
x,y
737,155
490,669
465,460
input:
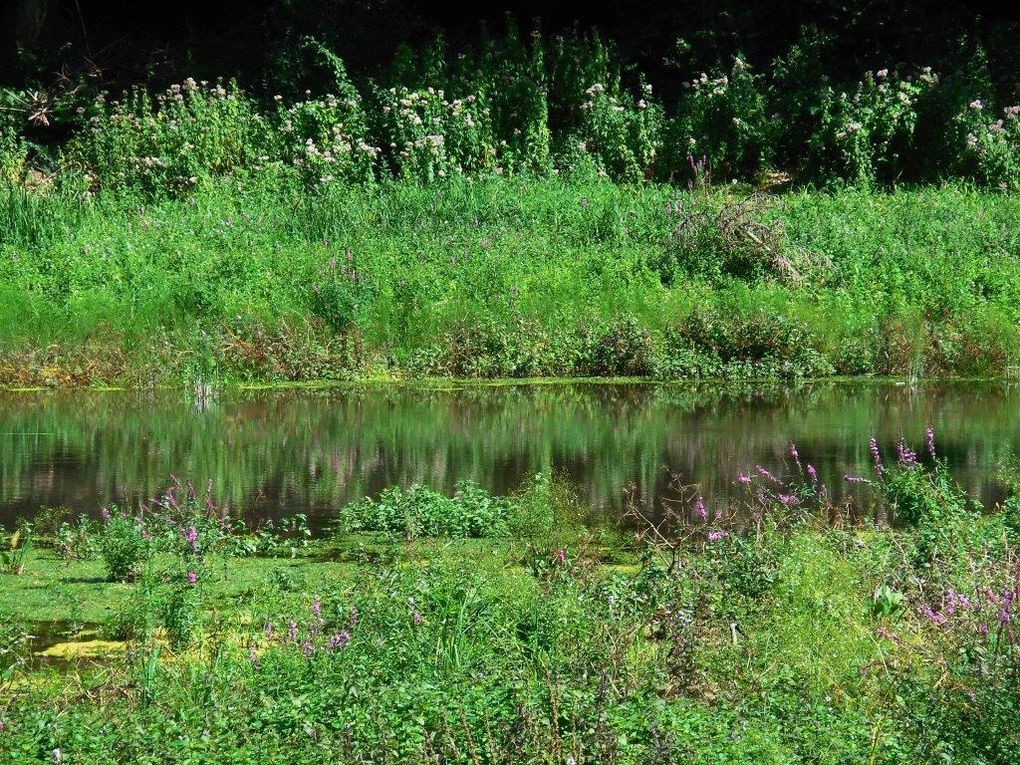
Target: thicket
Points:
x,y
533,104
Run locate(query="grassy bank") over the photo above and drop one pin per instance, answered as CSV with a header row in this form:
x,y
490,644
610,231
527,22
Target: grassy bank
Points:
x,y
264,281
474,628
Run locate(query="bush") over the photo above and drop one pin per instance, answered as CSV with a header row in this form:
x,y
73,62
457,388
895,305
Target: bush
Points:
x,y
709,343
167,144
866,136
723,120
121,546
420,511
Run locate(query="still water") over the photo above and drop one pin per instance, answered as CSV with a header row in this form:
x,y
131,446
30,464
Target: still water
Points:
x,y
281,452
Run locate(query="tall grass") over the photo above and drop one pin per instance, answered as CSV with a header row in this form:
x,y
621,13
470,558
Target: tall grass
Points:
x,y
515,277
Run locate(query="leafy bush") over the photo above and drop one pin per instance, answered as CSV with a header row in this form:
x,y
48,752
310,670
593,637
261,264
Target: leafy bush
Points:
x,y
420,511
167,144
709,343
724,120
121,545
866,135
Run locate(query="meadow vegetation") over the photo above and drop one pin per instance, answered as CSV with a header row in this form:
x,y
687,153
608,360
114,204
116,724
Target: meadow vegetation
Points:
x,y
520,206
475,628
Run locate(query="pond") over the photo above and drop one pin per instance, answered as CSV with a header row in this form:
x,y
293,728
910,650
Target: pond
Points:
x,y
275,453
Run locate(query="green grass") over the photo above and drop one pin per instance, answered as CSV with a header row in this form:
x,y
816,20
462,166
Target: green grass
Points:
x,y
763,648
502,278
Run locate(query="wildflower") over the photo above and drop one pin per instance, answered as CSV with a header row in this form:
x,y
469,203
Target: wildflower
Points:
x,y
308,648
699,509
561,556
317,608
743,478
882,73
105,513
876,457
929,438
191,537
794,454
192,578
789,500
268,630
354,616
763,472
977,104
855,479
812,473
907,456
292,631
339,640
715,536
932,616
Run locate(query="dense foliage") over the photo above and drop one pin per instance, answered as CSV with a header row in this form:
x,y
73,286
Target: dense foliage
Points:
x,y
769,632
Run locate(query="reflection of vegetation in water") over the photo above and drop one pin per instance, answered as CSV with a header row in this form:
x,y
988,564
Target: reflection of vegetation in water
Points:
x,y
270,452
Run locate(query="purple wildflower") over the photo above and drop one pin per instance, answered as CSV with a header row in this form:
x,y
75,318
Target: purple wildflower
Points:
x,y
715,536
744,478
812,473
308,648
192,578
292,631
907,456
339,640
855,479
794,454
789,500
561,556
929,439
105,513
932,616
876,457
191,536
765,473
317,608
700,510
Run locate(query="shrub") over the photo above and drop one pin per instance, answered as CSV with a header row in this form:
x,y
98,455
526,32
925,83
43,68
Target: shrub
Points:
x,y
121,545
991,150
420,511
865,136
431,137
166,144
708,343
724,120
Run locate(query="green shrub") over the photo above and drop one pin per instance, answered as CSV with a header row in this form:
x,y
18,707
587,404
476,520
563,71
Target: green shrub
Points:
x,y
167,144
121,546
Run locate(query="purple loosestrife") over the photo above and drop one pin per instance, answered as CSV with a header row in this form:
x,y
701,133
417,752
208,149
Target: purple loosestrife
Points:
x,y
338,641
105,514
766,474
561,556
876,457
907,456
789,500
191,537
794,453
812,473
700,510
308,648
715,536
929,439
744,478
292,631
192,578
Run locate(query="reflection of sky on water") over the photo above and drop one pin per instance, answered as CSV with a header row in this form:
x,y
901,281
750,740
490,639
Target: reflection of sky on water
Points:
x,y
275,453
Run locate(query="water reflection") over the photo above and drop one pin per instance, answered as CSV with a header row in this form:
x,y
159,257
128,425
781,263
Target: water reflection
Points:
x,y
279,452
